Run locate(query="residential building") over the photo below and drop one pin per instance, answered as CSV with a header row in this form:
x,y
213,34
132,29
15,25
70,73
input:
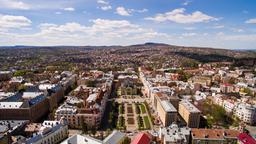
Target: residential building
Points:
x,y
246,112
226,88
116,137
5,75
79,139
214,136
128,87
166,112
174,135
189,113
141,138
9,128
245,138
32,107
203,80
51,132
87,106
229,105
54,92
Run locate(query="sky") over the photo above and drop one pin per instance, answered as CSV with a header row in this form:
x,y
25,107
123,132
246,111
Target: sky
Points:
x,y
229,24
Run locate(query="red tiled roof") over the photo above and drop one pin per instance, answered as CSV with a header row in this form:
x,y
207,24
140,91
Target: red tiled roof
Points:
x,y
244,138
213,133
141,138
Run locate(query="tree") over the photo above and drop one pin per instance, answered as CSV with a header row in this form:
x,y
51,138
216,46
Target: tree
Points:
x,y
110,119
20,73
91,83
126,140
22,88
94,131
248,91
84,127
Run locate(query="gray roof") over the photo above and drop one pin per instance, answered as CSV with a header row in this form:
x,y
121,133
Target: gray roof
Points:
x,y
189,106
168,107
79,139
6,125
114,138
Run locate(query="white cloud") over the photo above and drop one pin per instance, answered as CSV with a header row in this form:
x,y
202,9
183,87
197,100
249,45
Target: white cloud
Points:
x,y
46,25
100,32
13,22
104,5
218,26
58,13
107,7
237,30
189,34
186,3
251,21
243,38
102,2
13,4
127,12
122,11
190,28
139,11
179,16
69,9
220,34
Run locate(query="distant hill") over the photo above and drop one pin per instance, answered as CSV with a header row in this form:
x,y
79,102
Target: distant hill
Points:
x,y
139,54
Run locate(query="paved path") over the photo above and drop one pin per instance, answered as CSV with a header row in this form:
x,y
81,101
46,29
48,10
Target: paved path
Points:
x,y
123,100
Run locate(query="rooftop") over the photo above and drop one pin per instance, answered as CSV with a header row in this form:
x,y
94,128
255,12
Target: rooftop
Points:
x,y
141,138
79,139
168,107
10,105
33,127
175,133
92,97
189,106
47,128
219,134
114,138
12,124
244,138
5,95
5,72
31,95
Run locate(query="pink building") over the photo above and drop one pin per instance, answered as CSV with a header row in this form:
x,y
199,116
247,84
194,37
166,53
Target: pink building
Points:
x,y
244,138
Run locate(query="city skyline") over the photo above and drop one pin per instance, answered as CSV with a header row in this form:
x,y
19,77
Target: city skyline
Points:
x,y
220,24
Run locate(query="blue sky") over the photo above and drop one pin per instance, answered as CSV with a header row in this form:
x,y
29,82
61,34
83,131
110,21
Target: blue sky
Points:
x,y
227,24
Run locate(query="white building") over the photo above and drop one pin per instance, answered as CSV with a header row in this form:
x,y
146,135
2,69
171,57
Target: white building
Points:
x,y
51,132
116,137
174,135
229,105
78,139
246,112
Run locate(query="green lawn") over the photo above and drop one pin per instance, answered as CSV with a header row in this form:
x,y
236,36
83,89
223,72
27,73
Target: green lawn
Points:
x,y
140,123
121,123
146,120
121,109
143,108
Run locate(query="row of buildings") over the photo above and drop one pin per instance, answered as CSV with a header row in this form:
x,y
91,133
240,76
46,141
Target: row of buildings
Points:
x,y
241,108
165,101
86,105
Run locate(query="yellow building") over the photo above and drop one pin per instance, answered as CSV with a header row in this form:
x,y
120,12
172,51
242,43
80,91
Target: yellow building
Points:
x,y
189,113
166,112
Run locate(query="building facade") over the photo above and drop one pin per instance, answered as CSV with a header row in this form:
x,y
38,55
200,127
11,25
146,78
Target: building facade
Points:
x,y
189,113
